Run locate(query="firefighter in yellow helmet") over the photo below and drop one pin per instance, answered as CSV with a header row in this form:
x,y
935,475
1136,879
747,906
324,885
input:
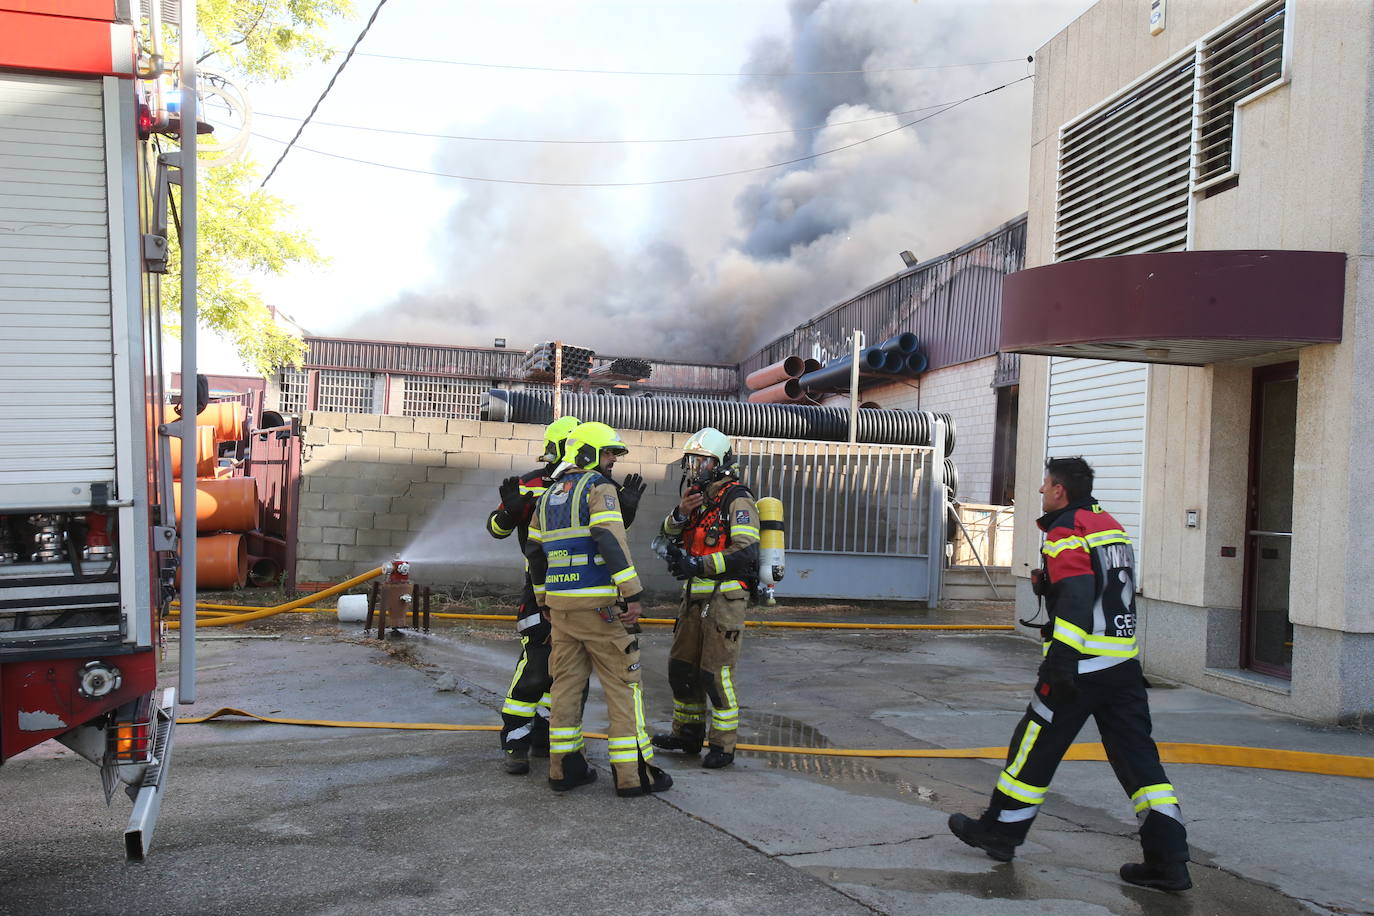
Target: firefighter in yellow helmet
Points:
x,y
717,524
525,713
580,568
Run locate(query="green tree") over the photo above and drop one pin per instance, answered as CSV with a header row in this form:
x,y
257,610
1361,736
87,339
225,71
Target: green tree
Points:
x,y
242,230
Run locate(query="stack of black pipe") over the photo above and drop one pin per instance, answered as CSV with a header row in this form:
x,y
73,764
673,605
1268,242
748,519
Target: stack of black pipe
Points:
x,y
577,361
734,418
899,355
630,368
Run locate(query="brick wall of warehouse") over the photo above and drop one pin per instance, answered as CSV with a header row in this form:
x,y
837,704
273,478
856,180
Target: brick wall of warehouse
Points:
x,y
965,392
373,486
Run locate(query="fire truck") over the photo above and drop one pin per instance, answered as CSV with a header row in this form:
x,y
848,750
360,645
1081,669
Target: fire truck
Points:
x,y
90,141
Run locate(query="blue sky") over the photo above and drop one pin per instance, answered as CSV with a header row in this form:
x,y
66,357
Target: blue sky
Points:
x,y
674,267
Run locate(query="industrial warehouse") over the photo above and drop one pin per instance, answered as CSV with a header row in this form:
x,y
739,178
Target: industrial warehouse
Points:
x,y
623,487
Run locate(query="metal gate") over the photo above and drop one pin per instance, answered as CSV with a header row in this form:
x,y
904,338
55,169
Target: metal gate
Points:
x,y
863,521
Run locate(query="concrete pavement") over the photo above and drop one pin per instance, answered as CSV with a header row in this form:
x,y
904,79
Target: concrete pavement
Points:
x,y
276,818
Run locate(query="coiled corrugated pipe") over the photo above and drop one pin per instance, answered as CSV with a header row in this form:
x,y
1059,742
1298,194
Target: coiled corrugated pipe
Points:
x,y
680,415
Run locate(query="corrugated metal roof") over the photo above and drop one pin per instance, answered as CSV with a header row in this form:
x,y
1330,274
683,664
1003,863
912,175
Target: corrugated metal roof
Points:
x,y
497,364
953,303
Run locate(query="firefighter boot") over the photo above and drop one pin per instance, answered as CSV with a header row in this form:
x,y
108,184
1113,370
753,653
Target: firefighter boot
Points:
x,y
1164,876
717,757
576,773
651,779
979,835
1164,841
687,739
517,761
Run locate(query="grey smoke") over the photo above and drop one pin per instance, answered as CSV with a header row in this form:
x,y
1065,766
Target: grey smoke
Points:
x,y
718,268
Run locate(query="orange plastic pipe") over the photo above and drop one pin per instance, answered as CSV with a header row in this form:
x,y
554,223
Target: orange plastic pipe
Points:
x,y
223,504
205,452
225,416
221,561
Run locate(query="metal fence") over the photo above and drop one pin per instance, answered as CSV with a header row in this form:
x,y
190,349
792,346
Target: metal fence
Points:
x,y
859,519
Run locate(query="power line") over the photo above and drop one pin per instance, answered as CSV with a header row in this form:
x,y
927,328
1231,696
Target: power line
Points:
x,y
660,181
316,107
489,66
761,133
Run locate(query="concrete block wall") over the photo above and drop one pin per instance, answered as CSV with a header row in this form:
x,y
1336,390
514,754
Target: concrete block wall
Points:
x,y
376,485
965,392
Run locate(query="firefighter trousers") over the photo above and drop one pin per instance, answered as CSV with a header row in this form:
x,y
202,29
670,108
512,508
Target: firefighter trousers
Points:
x,y
1115,698
525,713
584,642
701,668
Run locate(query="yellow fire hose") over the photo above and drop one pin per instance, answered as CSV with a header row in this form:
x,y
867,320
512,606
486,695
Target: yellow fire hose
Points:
x,y
1259,758
259,613
223,615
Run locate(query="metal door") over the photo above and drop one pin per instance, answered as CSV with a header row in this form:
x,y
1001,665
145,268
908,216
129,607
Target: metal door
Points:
x,y
1267,634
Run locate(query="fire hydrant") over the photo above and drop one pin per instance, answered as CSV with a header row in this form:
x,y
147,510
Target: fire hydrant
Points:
x,y
395,599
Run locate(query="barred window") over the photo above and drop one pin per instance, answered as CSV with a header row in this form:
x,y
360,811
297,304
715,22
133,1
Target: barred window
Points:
x,y
295,386
347,392
428,396
1240,61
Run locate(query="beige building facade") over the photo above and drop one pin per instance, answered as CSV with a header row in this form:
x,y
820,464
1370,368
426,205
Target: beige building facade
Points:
x,y
1214,148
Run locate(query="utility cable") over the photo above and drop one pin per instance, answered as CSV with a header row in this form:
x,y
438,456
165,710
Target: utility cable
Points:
x,y
659,181
1258,758
330,85
761,133
766,74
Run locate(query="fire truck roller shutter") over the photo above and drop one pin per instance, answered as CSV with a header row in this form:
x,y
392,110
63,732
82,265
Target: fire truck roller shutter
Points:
x,y
56,360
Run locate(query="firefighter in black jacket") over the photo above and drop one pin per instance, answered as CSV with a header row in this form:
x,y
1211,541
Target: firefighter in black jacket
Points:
x,y
718,524
525,713
1090,668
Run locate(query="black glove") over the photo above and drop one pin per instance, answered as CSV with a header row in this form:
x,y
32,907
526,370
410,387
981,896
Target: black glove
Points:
x,y
512,500
1059,685
680,564
630,492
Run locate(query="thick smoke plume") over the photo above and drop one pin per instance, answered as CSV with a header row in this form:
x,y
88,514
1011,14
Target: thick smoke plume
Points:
x,y
711,270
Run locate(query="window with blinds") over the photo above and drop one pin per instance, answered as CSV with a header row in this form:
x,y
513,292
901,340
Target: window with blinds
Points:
x,y
1241,60
457,398
1123,171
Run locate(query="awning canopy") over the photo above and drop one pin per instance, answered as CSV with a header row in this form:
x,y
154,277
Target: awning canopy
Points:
x,y
1189,308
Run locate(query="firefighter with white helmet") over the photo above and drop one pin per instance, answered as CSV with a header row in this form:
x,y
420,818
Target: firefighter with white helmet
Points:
x,y
717,525
580,568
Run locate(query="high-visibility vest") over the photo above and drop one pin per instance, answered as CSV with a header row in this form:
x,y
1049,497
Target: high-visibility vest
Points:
x,y
575,567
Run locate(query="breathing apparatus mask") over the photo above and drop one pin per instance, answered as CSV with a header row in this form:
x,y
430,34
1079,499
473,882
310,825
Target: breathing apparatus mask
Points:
x,y
707,458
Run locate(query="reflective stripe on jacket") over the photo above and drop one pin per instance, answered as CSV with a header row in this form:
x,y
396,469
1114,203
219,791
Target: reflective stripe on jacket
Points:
x,y
726,523
1090,565
576,555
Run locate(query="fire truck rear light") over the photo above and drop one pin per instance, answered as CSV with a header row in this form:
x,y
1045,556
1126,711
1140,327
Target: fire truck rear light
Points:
x,y
132,743
145,122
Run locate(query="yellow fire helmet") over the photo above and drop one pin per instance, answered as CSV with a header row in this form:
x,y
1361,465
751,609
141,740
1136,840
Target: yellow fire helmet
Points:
x,y
587,442
555,436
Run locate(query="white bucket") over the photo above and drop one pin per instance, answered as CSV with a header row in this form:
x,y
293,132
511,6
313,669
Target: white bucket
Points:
x,y
352,608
